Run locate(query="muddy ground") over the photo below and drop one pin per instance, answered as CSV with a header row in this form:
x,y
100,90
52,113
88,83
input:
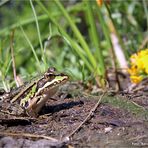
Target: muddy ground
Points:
x,y
120,120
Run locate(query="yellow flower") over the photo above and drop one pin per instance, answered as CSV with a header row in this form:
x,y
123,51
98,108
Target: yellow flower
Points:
x,y
139,66
133,70
146,69
143,63
142,53
136,79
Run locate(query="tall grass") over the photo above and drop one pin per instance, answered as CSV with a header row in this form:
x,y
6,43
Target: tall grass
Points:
x,y
92,49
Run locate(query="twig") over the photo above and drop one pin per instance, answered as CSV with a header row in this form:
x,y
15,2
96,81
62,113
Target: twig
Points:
x,y
88,116
138,88
138,137
13,117
138,105
13,61
29,135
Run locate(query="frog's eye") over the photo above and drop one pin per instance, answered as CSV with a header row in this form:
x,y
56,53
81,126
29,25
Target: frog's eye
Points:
x,y
51,70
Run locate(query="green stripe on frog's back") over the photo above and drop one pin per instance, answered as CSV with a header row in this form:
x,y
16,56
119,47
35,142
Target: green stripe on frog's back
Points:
x,y
26,100
23,91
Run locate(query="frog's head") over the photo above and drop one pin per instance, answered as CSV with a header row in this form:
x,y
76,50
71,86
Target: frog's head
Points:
x,y
51,81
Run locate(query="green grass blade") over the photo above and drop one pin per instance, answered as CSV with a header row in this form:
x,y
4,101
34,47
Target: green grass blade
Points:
x,y
94,36
6,30
38,31
107,35
30,44
78,35
146,11
67,37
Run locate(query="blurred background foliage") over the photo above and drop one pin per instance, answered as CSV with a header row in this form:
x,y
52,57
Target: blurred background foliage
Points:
x,y
129,17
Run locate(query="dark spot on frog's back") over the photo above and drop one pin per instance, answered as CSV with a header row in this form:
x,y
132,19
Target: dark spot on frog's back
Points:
x,y
41,83
38,100
26,104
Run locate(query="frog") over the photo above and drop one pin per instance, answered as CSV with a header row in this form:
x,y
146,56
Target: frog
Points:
x,y
28,99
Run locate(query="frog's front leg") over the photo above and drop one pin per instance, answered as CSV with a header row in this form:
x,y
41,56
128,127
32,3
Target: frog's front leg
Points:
x,y
35,106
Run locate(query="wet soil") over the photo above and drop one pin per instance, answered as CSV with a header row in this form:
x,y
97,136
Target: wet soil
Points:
x,y
120,120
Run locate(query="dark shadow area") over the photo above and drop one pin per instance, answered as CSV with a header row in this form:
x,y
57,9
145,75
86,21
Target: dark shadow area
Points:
x,y
59,107
15,122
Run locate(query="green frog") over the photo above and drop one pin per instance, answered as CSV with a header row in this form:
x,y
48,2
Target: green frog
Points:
x,y
30,98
